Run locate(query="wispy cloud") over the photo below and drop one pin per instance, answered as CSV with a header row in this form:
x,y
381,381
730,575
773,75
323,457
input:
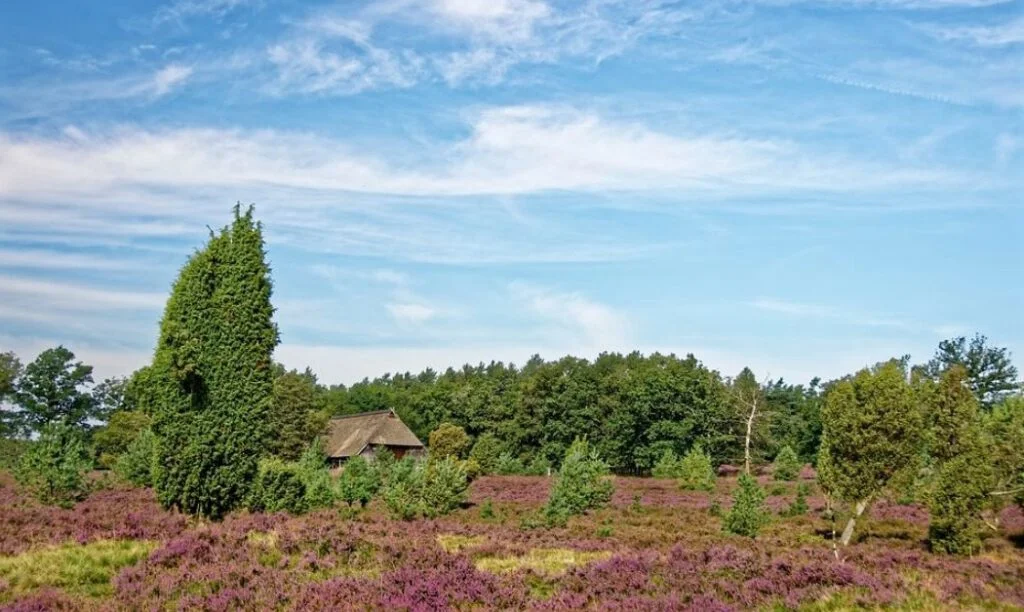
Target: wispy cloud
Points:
x,y
1009,33
71,297
575,316
847,316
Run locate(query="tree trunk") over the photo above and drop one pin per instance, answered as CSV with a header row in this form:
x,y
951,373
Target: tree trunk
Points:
x,y
750,427
850,524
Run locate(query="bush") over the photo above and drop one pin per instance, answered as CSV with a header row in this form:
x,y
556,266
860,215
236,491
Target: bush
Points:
x,y
358,482
510,465
278,487
582,484
539,466
53,468
312,466
747,515
136,464
428,489
668,465
695,471
472,469
959,497
11,452
799,505
444,487
787,465
383,462
448,441
487,453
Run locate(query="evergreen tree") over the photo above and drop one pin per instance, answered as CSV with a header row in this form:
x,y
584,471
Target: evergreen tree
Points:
x,y
989,371
448,441
296,418
695,471
53,469
668,466
137,463
487,452
957,502
582,484
748,514
212,373
787,465
872,428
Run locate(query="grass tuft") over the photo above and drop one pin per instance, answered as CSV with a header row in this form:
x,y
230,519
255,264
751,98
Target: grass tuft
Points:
x,y
548,561
453,543
78,569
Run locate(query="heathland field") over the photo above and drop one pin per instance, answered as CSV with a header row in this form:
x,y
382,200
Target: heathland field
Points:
x,y
655,547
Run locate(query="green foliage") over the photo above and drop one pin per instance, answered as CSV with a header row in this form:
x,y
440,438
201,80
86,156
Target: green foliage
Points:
x,y
510,465
1004,434
472,469
296,416
53,469
11,452
748,514
211,379
383,463
487,510
448,441
959,497
11,423
787,465
51,390
113,439
872,428
358,482
951,416
695,471
582,484
989,373
487,452
427,489
539,466
669,466
799,505
312,466
137,463
278,487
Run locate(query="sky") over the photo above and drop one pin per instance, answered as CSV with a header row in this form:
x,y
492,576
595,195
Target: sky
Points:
x,y
802,187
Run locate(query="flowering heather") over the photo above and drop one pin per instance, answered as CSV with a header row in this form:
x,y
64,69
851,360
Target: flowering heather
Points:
x,y
666,552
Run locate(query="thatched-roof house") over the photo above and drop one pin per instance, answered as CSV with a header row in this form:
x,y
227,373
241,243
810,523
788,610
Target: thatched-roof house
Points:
x,y
364,434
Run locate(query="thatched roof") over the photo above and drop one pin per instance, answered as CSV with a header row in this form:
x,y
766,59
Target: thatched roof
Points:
x,y
347,436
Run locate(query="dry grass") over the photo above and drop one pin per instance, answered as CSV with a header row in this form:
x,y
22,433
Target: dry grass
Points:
x,y
453,543
76,568
547,561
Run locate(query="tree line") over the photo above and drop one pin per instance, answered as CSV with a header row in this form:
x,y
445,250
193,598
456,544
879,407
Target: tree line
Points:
x,y
212,404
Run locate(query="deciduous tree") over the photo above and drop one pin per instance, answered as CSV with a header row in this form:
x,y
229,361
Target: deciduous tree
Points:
x,y
52,390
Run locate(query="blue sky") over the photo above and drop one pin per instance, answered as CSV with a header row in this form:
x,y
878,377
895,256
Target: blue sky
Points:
x,y
802,187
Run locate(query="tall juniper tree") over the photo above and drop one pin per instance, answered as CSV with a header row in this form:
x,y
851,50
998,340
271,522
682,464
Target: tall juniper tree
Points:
x,y
212,373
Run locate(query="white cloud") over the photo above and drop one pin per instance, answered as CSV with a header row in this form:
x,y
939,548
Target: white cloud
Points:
x,y
850,317
56,260
1009,33
72,297
501,20
170,77
584,321
410,313
180,10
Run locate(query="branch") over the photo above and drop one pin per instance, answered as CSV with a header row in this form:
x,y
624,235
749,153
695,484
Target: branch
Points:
x,y
1008,492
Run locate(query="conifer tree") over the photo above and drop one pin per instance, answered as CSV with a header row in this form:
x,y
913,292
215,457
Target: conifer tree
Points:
x,y
212,373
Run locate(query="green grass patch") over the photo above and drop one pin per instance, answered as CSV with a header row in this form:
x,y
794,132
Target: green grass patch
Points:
x,y
453,543
548,561
78,569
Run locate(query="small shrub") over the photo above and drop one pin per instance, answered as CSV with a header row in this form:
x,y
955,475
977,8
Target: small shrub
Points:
x,y
429,489
777,489
582,484
715,509
487,452
799,505
448,441
472,469
278,487
539,466
510,465
358,482
787,465
136,464
637,506
312,466
444,487
747,515
668,465
383,462
53,469
695,471
487,510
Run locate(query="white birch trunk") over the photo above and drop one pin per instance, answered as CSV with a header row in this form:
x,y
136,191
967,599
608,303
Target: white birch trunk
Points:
x,y
850,524
750,427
